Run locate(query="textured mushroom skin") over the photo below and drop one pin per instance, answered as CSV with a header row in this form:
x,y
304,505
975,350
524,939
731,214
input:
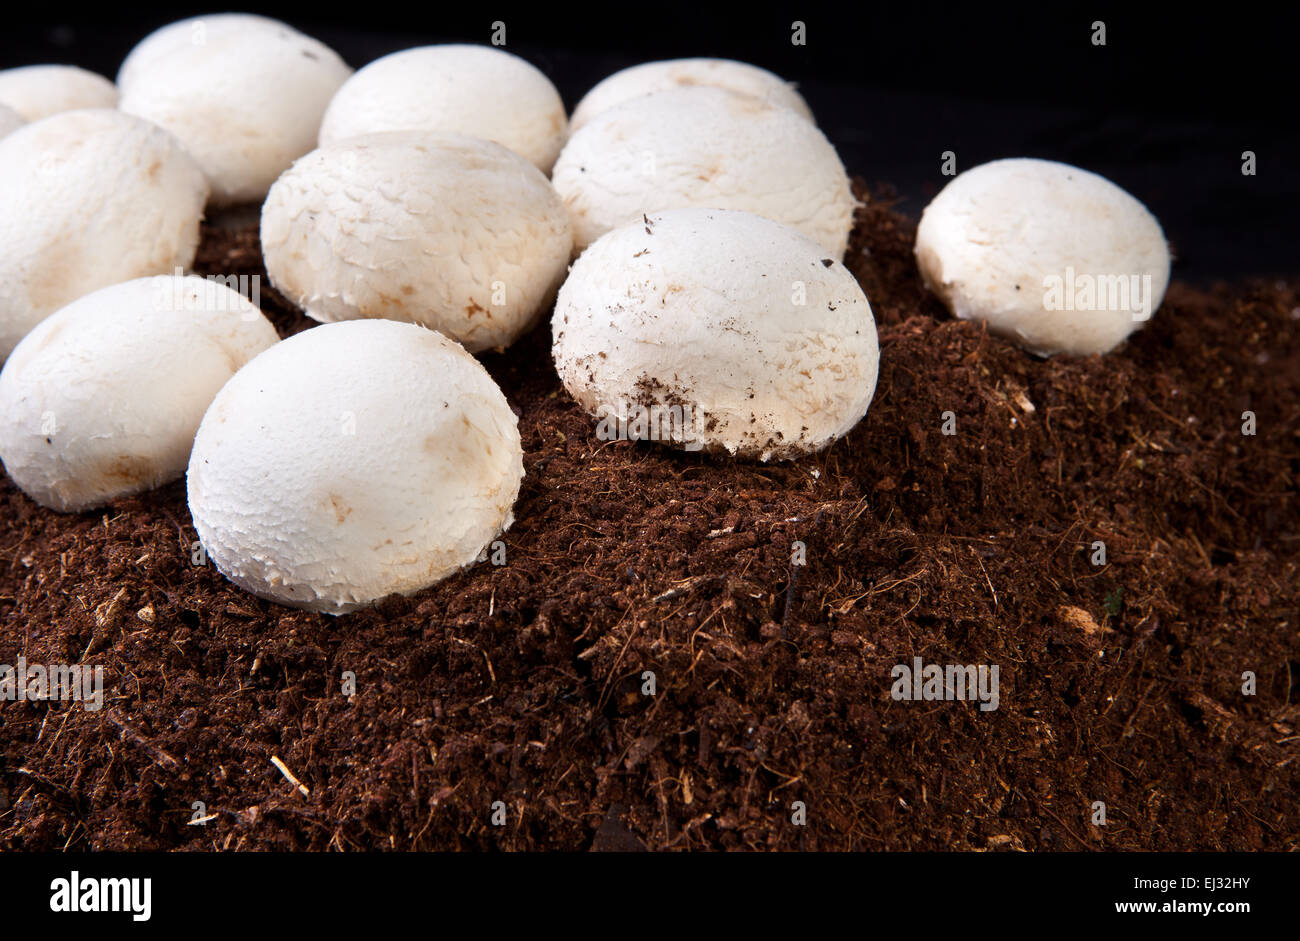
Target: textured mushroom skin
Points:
x,y
90,198
103,398
651,77
451,232
478,91
698,307
354,461
244,94
38,91
708,148
988,241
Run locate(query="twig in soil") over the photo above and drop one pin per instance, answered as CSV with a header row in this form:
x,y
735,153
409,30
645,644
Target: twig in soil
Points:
x,y
682,588
636,627
789,599
159,756
491,672
288,775
1128,725
1081,841
794,577
180,530
986,578
48,782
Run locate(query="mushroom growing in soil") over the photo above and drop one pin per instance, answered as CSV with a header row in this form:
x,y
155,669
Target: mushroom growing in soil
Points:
x,y
10,121
354,461
651,77
716,330
452,232
38,91
103,398
478,91
1055,258
704,147
91,198
243,93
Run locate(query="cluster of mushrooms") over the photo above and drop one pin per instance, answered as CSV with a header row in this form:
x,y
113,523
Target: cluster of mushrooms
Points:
x,y
429,207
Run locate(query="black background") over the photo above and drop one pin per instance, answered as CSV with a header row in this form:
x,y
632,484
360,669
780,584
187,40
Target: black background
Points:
x,y
1165,108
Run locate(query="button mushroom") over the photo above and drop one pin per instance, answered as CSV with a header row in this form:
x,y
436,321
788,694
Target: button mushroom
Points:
x,y
103,398
478,91
1057,259
91,198
451,232
243,93
660,76
38,91
354,461
704,147
716,330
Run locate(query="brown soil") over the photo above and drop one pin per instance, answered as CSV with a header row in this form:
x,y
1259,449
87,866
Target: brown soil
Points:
x,y
522,683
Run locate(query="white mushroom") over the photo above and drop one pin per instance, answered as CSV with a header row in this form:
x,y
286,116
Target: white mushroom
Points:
x,y
38,91
704,147
10,121
716,330
478,91
452,232
243,93
354,461
91,198
651,77
103,398
1055,258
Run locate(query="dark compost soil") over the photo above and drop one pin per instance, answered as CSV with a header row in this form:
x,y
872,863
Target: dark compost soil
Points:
x,y
522,683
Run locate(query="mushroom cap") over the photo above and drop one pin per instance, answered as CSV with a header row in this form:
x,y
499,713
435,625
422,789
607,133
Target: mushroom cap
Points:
x,y
988,244
38,91
244,94
103,397
740,77
354,461
188,35
704,147
451,232
10,120
700,308
91,198
478,91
